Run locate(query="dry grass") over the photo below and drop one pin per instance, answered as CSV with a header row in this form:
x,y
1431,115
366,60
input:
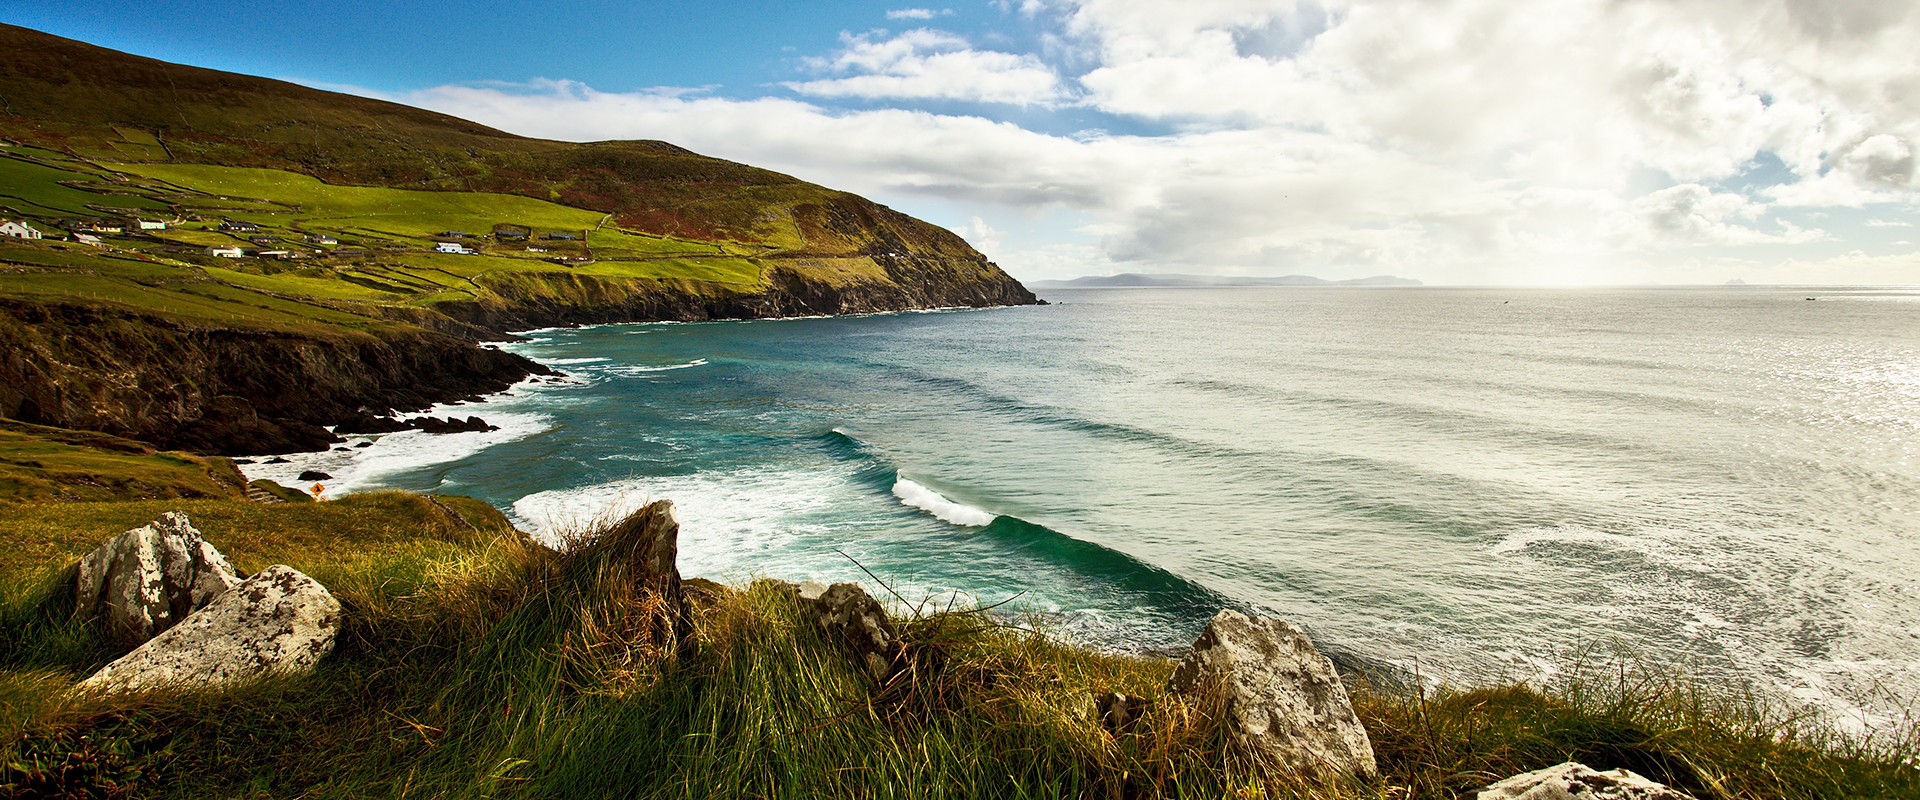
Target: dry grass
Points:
x,y
492,666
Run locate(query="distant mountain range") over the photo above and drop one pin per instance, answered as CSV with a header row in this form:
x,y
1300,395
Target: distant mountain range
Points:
x,y
1160,279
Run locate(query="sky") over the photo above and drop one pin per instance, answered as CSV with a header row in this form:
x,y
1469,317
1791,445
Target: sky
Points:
x,y
1553,142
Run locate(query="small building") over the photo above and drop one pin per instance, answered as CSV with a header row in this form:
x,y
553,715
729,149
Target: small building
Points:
x,y
561,237
87,238
452,247
18,230
239,226
146,225
224,251
316,238
273,253
453,234
263,239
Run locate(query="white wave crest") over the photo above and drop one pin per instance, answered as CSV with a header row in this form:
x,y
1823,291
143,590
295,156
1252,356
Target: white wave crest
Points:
x,y
930,501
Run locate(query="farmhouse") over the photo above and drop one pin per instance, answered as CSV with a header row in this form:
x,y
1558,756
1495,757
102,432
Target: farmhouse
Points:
x,y
560,237
87,238
316,238
239,226
452,247
263,239
224,251
146,225
18,230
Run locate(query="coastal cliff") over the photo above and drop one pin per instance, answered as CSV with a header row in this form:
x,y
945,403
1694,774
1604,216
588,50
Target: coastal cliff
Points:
x,y
225,390
232,262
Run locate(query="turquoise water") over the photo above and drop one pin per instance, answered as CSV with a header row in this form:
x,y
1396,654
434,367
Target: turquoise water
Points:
x,y
1471,483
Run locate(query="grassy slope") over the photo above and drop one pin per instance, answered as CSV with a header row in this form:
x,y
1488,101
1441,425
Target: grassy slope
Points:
x,y
39,463
474,664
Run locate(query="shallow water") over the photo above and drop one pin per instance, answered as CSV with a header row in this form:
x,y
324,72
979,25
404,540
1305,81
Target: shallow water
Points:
x,y
1476,483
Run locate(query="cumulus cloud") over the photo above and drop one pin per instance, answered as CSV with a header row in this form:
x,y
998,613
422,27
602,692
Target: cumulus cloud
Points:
x,y
918,13
1491,138
981,235
932,64
1694,214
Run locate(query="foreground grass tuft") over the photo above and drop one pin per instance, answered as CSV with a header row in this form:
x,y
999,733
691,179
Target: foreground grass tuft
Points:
x,y
477,663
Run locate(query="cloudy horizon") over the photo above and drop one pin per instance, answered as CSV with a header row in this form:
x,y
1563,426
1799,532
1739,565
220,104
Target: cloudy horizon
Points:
x,y
1453,141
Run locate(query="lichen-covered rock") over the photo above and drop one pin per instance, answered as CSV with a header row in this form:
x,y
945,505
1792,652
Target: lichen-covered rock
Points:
x,y
148,579
1287,705
1575,781
274,622
851,616
848,613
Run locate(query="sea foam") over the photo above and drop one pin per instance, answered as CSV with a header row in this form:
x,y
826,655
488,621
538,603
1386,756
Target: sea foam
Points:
x,y
932,502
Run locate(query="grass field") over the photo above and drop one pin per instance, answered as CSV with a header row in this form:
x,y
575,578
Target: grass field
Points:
x,y
473,663
36,189
40,464
419,214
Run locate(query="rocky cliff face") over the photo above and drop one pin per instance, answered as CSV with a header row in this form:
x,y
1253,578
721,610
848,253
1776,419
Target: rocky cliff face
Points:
x,y
536,300
226,391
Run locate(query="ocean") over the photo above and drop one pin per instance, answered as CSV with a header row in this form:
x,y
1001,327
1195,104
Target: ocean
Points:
x,y
1460,484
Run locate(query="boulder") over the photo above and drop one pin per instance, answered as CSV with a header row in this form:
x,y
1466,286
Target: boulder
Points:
x,y
852,617
1574,781
148,579
1285,703
277,621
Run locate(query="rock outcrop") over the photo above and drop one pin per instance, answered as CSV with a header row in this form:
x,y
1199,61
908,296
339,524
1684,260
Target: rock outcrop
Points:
x,y
638,558
1286,703
1575,781
148,579
277,621
853,618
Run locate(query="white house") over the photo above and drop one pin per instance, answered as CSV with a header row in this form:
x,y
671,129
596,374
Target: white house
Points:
x,y
87,238
224,252
149,225
451,247
18,230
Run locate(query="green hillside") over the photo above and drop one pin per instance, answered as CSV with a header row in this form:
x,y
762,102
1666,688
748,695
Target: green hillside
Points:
x,y
231,262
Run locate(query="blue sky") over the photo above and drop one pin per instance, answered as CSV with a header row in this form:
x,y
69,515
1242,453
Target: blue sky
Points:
x,y
1455,141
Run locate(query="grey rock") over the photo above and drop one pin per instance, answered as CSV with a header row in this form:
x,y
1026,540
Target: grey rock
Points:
x,y
1118,712
1575,781
148,579
1286,704
852,617
641,554
278,621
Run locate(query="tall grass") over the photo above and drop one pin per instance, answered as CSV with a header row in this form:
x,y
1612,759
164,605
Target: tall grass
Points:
x,y
508,669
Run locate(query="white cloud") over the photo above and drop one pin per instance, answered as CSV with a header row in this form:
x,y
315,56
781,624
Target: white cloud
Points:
x,y
981,235
1888,223
1693,214
932,64
1462,139
918,13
